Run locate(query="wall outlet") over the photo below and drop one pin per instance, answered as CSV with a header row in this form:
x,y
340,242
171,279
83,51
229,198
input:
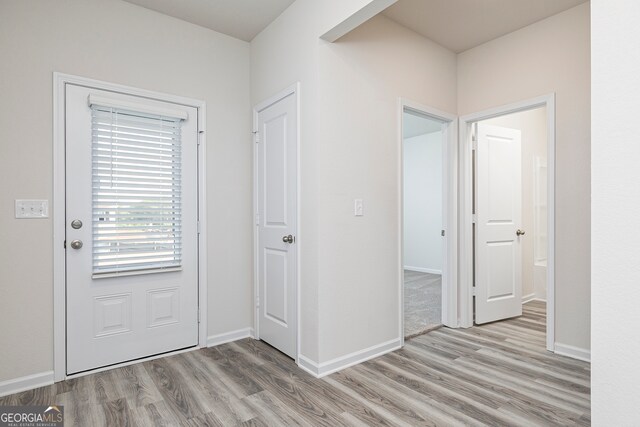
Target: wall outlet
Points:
x,y
358,208
29,209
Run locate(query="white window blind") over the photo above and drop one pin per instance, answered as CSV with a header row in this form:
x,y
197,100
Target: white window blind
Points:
x,y
136,174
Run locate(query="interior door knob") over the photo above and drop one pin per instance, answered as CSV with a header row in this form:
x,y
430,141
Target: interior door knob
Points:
x,y
520,233
76,244
288,239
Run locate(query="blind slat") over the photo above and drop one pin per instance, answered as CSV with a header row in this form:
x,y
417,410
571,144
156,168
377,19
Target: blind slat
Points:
x,y
136,183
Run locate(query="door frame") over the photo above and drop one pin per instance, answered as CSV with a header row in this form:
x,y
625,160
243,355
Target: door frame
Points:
x,y
60,80
466,205
449,202
294,90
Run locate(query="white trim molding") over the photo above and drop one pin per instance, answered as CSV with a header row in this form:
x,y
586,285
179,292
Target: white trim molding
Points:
x,y
528,298
450,215
466,205
27,382
323,369
422,269
59,195
228,337
573,352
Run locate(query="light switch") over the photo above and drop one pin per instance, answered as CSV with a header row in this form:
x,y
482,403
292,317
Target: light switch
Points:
x,y
26,209
358,209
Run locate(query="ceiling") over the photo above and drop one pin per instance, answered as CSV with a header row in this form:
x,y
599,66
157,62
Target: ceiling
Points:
x,y
459,25
414,124
242,19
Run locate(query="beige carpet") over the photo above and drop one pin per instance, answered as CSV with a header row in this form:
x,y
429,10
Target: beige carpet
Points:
x,y
422,302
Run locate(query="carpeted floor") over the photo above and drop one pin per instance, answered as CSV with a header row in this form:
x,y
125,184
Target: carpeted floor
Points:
x,y
422,302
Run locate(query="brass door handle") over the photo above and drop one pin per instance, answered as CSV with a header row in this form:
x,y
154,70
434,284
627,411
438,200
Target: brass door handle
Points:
x,y
76,244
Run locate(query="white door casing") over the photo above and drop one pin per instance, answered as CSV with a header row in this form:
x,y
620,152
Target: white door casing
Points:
x,y
499,217
277,217
117,318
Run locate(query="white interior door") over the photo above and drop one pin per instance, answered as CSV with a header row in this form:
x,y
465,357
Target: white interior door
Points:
x,y
131,228
276,156
498,218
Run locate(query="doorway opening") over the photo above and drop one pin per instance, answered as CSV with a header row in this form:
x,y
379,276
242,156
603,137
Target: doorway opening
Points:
x,y
508,215
422,146
427,232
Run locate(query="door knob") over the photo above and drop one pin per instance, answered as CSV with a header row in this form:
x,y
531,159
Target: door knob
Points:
x,y
76,244
288,239
76,224
519,233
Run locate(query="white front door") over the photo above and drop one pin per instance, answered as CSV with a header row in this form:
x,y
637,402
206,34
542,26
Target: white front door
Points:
x,y
131,228
498,222
276,157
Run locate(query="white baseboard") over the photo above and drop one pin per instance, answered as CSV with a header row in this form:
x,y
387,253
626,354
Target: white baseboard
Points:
x,y
573,352
320,370
214,340
28,382
423,270
531,297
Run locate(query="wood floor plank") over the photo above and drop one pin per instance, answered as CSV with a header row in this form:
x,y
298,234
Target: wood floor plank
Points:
x,y
134,383
495,374
156,414
296,396
173,389
118,413
274,412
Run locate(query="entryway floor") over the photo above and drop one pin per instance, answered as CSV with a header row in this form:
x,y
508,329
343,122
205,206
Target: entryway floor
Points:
x,y
495,374
422,302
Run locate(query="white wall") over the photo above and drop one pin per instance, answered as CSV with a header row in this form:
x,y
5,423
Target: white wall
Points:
x,y
422,196
361,78
533,127
615,274
549,56
121,43
349,150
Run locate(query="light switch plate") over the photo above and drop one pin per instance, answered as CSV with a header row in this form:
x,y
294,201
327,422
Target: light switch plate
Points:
x,y
31,209
358,208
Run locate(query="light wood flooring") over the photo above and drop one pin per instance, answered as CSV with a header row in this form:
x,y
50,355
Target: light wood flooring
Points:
x,y
497,374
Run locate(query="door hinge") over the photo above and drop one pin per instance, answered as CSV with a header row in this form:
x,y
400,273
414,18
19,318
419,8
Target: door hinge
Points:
x,y
442,233
199,317
257,302
198,227
474,218
200,133
257,219
473,291
64,244
256,136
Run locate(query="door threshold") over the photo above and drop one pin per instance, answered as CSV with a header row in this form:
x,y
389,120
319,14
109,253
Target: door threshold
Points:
x,y
422,332
131,362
